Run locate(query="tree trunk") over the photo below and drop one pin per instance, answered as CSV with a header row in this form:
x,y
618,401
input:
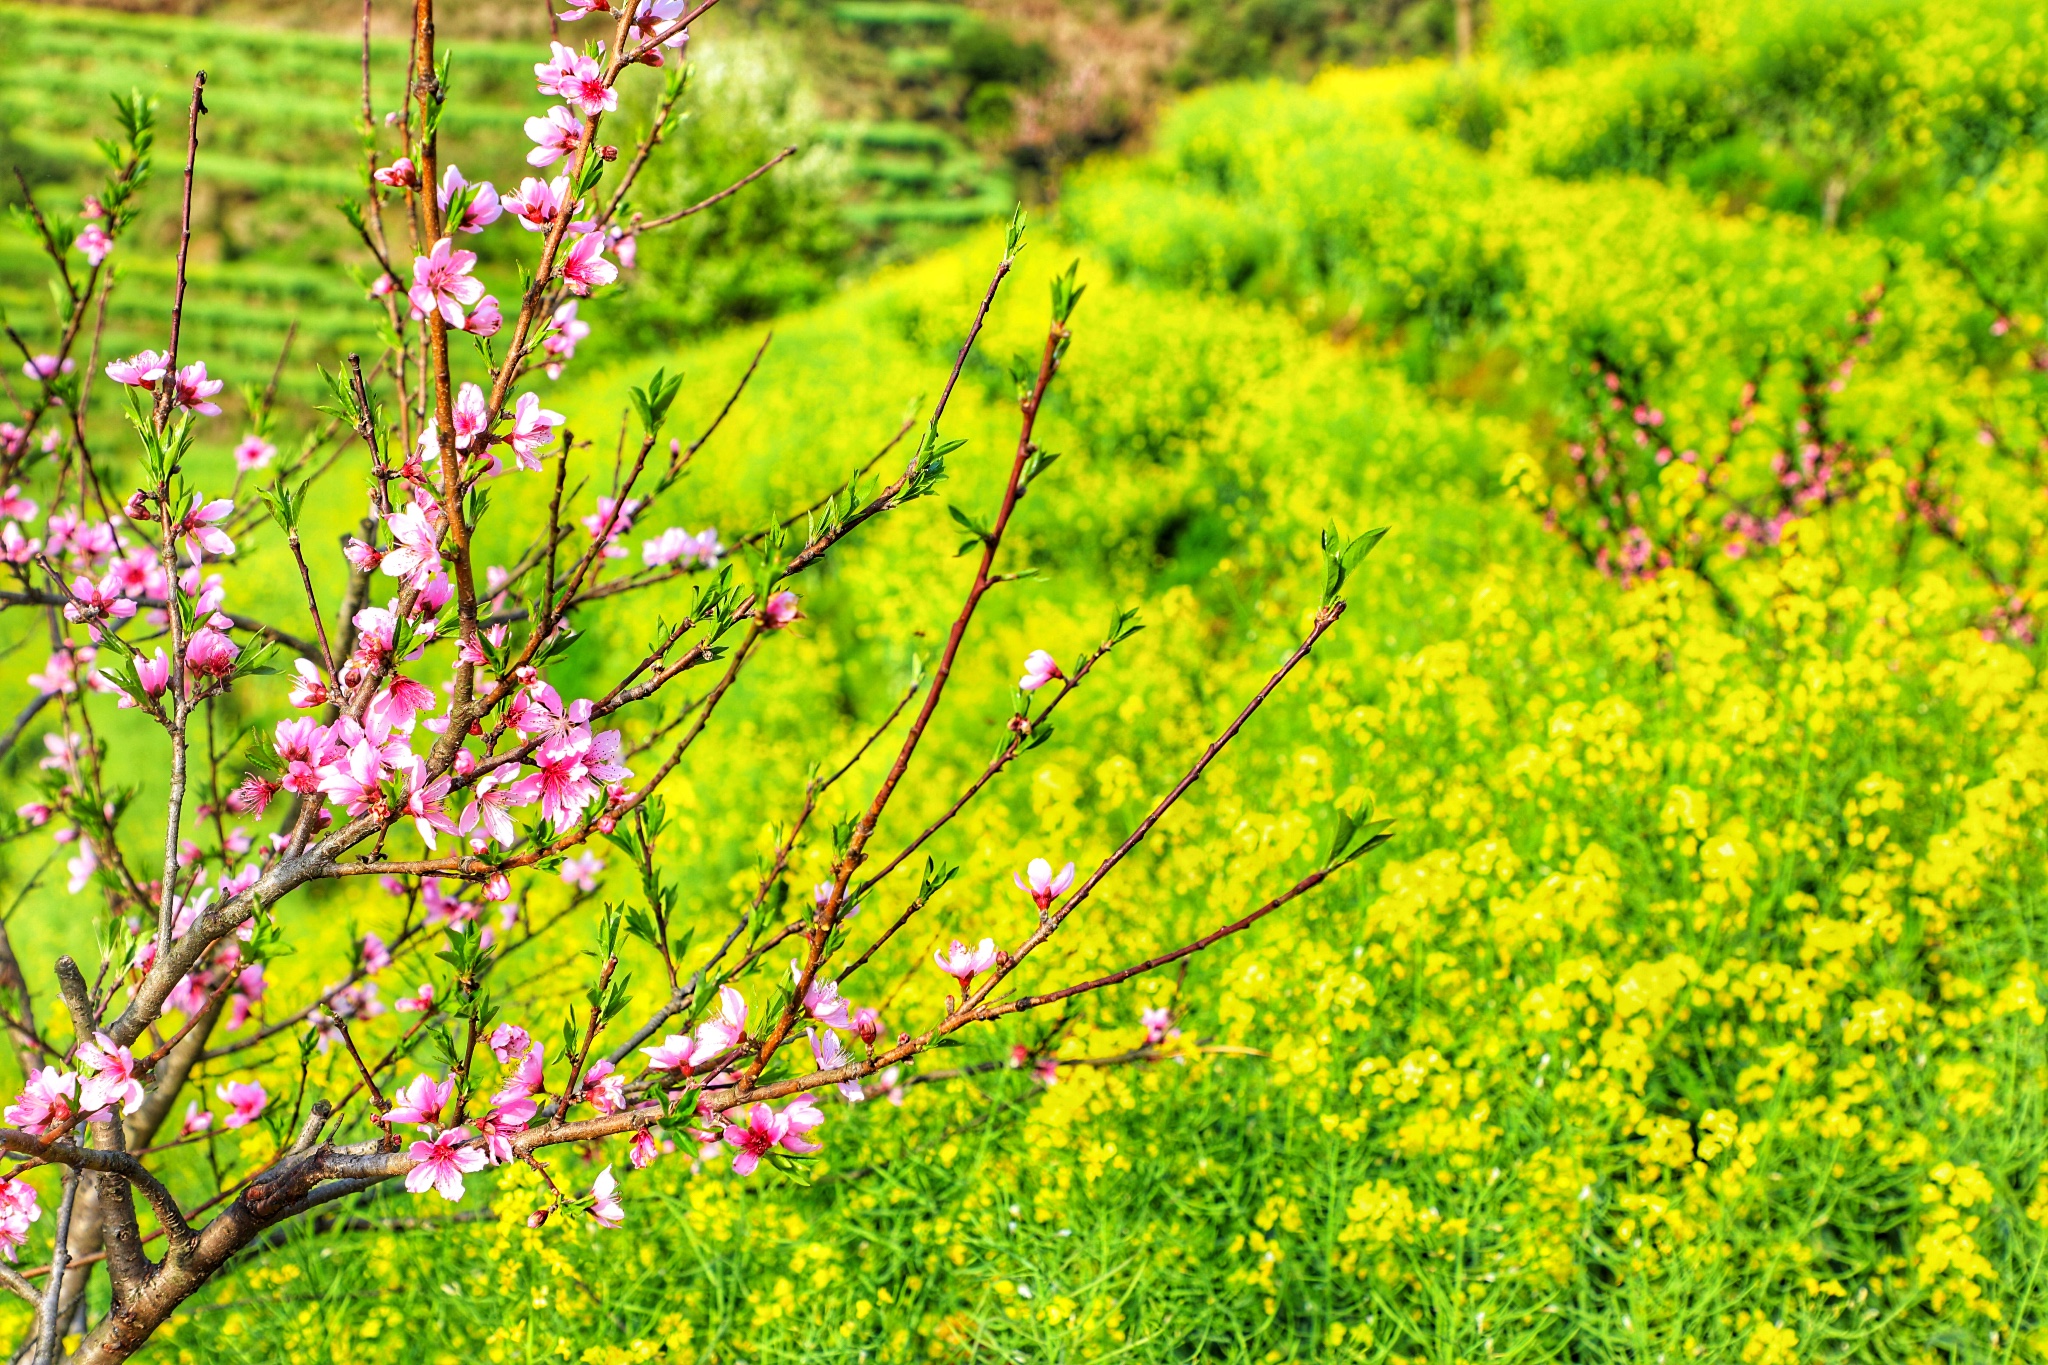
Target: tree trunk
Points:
x,y
87,1217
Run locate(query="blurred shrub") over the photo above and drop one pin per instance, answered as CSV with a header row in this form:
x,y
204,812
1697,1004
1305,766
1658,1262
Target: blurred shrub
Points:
x,y
1543,33
1465,104
986,54
1902,116
1635,112
782,242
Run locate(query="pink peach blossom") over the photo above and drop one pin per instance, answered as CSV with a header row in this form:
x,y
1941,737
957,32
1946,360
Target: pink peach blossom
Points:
x,y
441,282
485,319
418,1002
109,1076
141,370
670,1054
253,453
529,1077
821,999
421,1102
533,429
576,78
830,1055
586,268
481,211
537,203
417,556
557,133
580,871
211,654
200,530
18,1209
46,1102
565,331
509,1041
1158,1025
605,1089
246,1099
195,390
505,1121
867,1025
442,1163
963,964
1040,668
604,1201
93,243
1044,887
724,1029
763,1133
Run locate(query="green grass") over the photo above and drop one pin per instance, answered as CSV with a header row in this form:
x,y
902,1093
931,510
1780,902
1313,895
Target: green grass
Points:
x,y
282,146
1695,1010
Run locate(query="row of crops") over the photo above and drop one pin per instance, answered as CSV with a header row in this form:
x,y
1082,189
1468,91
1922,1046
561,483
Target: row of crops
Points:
x,y
282,144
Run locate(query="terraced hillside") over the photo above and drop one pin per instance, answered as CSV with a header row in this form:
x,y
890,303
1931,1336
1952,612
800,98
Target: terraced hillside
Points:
x,y
282,144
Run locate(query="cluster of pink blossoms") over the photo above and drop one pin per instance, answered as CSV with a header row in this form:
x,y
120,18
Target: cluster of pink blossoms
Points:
x,y
191,389
54,1099
718,1039
455,1143
677,546
371,767
112,577
18,1209
443,280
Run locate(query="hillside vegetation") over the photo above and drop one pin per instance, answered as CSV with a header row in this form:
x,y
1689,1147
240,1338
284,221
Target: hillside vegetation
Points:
x,y
1696,1011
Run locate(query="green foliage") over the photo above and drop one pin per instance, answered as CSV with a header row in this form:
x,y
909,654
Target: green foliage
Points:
x,y
1696,1010
1234,39
1878,111
987,55
1672,912
782,242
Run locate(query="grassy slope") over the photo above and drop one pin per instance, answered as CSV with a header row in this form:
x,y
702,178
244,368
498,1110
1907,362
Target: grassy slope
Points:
x,y
281,146
1639,1039
1636,896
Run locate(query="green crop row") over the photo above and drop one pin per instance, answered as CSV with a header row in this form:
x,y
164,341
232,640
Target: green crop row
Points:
x,y
1909,117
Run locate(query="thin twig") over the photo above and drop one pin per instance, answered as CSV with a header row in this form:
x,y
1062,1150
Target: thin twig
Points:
x,y
167,388
728,192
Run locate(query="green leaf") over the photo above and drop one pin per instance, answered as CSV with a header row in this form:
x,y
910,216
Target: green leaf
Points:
x,y
975,528
652,403
1340,557
1066,293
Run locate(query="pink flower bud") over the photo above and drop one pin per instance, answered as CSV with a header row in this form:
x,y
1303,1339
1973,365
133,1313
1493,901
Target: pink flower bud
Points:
x,y
210,653
780,610
399,175
867,1024
155,673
